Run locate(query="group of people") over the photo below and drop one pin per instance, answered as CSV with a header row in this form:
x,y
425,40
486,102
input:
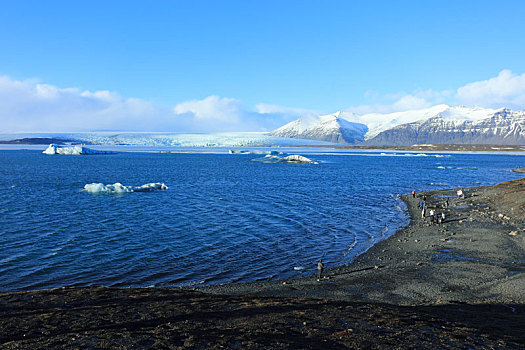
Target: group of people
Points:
x,y
435,218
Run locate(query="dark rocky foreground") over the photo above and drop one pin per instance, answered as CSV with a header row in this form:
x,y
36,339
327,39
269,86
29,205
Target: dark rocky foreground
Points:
x,y
458,284
96,317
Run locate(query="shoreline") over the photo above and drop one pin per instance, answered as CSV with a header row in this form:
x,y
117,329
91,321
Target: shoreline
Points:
x,y
454,285
476,256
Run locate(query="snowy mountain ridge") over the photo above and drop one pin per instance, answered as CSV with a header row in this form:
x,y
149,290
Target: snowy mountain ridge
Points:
x,y
437,124
332,128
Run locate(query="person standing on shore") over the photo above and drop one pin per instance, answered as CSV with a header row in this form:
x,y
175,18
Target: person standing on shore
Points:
x,y
413,194
423,213
320,268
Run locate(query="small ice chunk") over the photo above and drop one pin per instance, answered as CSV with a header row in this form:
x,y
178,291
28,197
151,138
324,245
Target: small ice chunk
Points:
x,y
151,187
120,188
295,158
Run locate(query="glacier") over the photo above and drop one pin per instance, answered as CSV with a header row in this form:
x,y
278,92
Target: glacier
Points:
x,y
179,140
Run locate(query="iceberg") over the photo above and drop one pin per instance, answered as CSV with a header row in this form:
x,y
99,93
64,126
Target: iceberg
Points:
x,y
120,188
71,150
232,151
294,158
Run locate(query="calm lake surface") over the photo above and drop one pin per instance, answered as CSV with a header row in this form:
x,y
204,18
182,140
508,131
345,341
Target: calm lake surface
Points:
x,y
224,218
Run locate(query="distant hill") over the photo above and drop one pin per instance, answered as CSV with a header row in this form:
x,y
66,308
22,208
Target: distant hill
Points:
x,y
39,141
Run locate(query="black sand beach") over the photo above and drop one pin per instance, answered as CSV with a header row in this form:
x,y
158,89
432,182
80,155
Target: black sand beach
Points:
x,y
458,284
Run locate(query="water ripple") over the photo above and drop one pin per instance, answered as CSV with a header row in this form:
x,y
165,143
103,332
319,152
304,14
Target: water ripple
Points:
x,y
223,219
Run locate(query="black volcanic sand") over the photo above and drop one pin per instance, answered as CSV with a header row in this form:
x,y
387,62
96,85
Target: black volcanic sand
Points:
x,y
476,255
454,285
88,318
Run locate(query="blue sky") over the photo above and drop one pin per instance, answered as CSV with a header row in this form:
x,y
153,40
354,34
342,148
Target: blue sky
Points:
x,y
264,62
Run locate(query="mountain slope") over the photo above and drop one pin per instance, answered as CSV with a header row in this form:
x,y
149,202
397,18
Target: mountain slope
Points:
x,y
439,124
331,128
454,126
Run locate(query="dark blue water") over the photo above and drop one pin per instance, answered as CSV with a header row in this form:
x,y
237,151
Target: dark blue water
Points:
x,y
223,219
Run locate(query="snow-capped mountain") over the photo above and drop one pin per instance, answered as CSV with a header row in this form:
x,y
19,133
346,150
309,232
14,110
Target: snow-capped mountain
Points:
x,y
459,125
334,128
440,124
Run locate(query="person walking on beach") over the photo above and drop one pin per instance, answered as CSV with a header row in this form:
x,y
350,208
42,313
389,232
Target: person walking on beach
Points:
x,y
413,194
421,204
320,268
432,216
423,213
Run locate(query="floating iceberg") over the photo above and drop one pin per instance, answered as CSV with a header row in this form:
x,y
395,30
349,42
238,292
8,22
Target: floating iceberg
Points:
x,y
120,188
71,150
294,158
232,151
414,155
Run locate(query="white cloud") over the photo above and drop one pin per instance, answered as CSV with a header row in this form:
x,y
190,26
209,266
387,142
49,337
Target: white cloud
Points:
x,y
265,108
212,108
505,90
402,102
29,106
214,113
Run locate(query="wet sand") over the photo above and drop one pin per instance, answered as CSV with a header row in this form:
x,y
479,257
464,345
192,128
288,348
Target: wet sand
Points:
x,y
452,285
